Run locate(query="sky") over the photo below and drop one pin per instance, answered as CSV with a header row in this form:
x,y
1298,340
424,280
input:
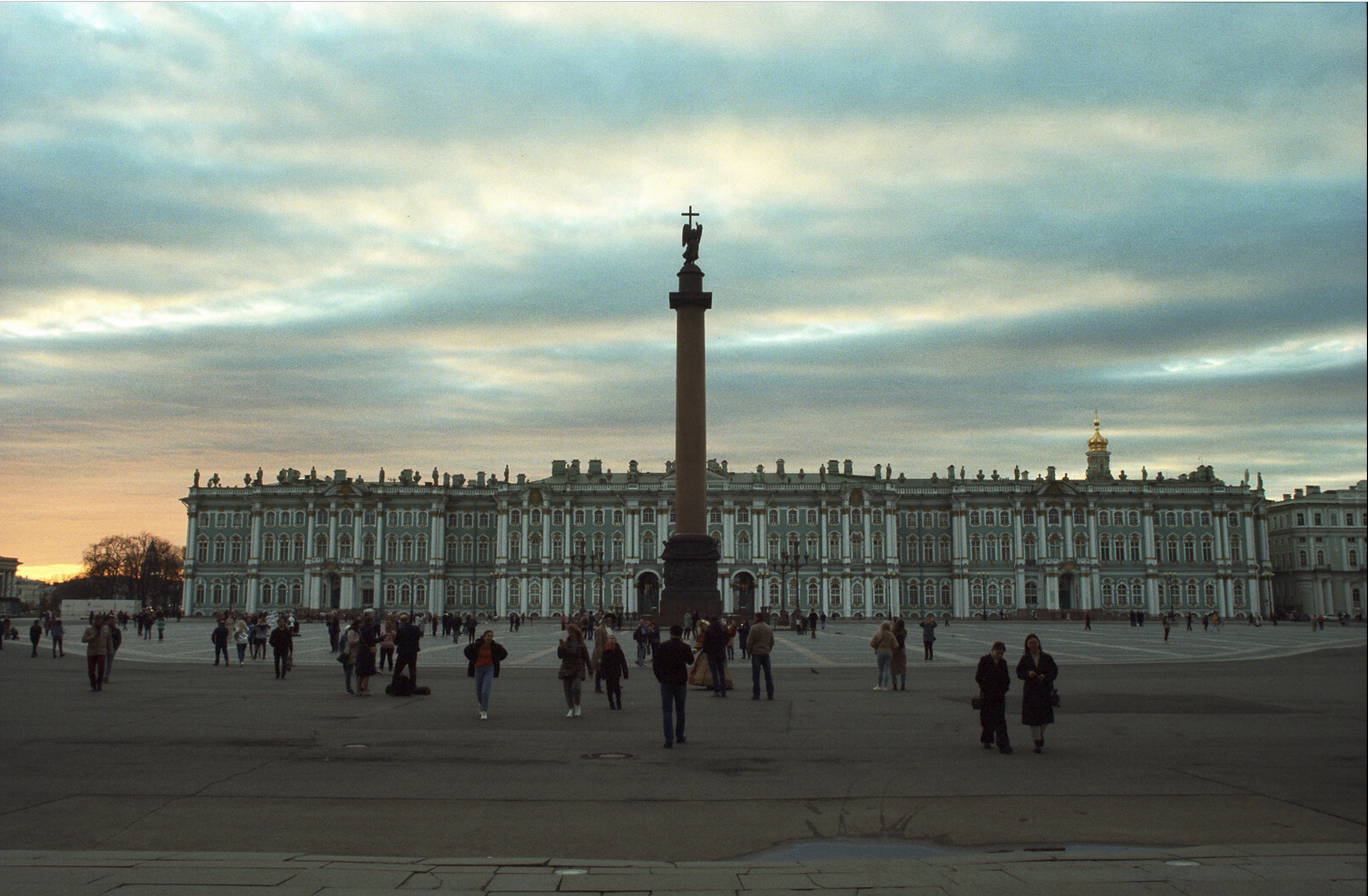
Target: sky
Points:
x,y
430,235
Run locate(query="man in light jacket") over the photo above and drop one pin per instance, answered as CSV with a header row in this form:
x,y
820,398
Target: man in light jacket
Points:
x,y
759,643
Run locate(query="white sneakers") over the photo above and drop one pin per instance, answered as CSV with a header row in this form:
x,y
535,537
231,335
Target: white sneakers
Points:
x,y
577,712
569,713
483,715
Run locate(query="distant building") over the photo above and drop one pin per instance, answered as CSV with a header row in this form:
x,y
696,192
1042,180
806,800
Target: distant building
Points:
x,y
1319,544
9,595
870,545
31,592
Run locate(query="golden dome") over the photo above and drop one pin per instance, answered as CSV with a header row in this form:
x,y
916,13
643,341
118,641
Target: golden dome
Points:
x,y
1096,442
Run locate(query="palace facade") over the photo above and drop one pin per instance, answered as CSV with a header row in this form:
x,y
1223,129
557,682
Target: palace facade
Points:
x,y
1319,543
845,543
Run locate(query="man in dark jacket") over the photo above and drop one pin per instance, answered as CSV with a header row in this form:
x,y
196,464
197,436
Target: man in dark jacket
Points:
x,y
220,638
406,648
715,646
282,646
671,661
994,681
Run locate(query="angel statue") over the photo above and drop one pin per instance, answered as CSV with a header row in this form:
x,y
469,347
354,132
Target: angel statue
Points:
x,y
692,234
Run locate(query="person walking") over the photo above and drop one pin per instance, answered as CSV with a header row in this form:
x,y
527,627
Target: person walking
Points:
x,y
601,633
282,646
241,635
57,632
36,635
883,643
1168,623
348,644
670,661
715,646
897,667
1087,621
612,666
576,663
759,643
365,655
928,627
406,646
813,619
483,658
219,638
642,636
1038,670
161,626
97,641
387,645
994,682
115,642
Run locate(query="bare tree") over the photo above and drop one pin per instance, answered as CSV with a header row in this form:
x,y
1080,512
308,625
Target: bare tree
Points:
x,y
142,567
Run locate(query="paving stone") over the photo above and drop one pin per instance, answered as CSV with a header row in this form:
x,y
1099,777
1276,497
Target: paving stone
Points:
x,y
524,883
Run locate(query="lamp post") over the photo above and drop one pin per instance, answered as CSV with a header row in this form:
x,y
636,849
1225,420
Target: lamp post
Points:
x,y
599,567
1172,590
584,561
785,564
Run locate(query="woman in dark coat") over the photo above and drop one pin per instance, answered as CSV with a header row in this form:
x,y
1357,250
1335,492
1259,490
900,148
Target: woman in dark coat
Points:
x,y
613,667
365,658
1037,668
994,681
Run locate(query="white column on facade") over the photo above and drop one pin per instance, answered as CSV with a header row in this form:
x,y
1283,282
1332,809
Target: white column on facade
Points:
x,y
190,566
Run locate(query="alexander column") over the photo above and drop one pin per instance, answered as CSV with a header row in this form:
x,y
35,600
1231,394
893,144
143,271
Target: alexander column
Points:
x,y
690,555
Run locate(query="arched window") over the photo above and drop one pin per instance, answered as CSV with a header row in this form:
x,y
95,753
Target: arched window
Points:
x,y
514,595
268,548
344,547
534,549
1189,549
391,549
515,548
913,594
1053,517
1080,546
1104,548
1006,543
1207,549
1108,593
1135,552
1032,594
220,548
1235,548
420,545
202,549
1029,542
943,555
557,547
976,592
877,547
321,544
406,549
975,548
856,549
974,518
743,547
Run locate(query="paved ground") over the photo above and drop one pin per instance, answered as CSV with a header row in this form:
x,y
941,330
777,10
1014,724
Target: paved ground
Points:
x,y
183,774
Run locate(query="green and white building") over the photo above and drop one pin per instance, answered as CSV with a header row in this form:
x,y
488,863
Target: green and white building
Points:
x,y
868,544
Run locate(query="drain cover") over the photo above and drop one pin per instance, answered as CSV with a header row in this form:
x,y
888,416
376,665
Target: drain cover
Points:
x,y
608,756
353,746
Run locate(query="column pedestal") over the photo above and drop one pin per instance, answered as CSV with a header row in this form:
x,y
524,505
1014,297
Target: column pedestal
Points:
x,y
690,578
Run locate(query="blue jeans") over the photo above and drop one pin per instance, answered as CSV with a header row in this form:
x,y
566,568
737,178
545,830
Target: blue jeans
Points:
x,y
484,682
347,671
718,668
758,662
885,658
672,703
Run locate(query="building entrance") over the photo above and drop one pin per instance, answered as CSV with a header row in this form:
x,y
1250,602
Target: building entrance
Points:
x,y
743,594
1066,584
648,594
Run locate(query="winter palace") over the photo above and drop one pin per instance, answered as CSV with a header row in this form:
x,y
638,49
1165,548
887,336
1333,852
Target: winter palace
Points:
x,y
845,543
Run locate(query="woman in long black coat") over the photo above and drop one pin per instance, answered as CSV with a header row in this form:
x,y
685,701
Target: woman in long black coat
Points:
x,y
1038,670
365,658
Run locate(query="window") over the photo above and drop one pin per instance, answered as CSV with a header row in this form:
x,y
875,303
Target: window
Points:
x,y
974,518
1316,519
1028,517
219,548
515,549
975,548
793,516
1207,549
579,516
812,516
558,517
1078,517
742,516
714,516
1187,519
1005,519
773,516
599,517
270,519
202,549
1104,548
1032,594
515,517
1103,518
1053,517
1235,547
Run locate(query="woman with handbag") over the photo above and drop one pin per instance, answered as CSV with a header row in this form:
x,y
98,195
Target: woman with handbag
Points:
x,y
994,682
1038,670
575,664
